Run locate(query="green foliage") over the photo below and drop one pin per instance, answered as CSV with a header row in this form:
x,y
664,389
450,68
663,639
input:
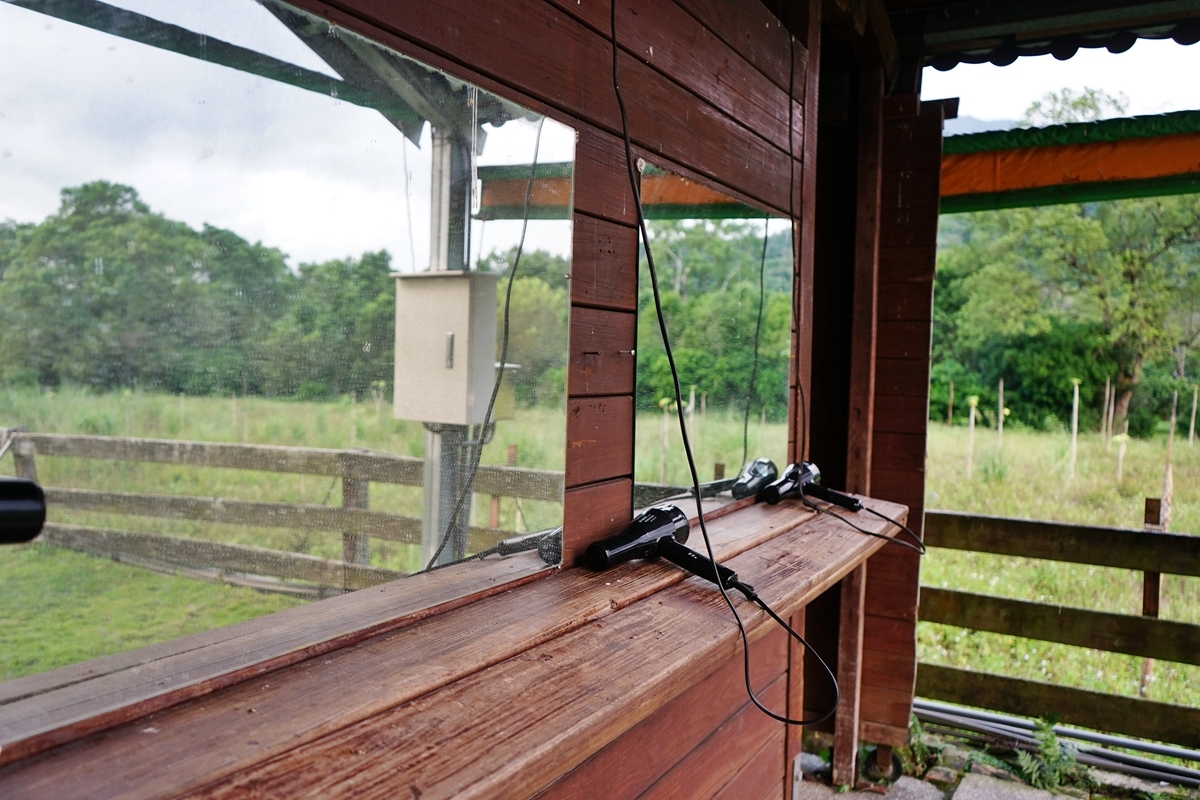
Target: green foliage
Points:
x,y
107,294
917,756
1053,762
708,279
338,334
1039,296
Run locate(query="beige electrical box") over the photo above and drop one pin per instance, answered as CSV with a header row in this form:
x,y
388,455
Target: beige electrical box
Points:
x,y
445,346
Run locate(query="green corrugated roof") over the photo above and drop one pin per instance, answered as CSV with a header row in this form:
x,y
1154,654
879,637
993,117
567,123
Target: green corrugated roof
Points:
x,y
1109,130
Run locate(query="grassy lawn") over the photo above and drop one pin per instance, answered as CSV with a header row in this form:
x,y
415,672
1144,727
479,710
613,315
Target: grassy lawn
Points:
x,y
59,607
1030,478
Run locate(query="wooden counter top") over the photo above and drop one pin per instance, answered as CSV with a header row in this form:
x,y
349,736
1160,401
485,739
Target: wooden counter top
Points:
x,y
498,698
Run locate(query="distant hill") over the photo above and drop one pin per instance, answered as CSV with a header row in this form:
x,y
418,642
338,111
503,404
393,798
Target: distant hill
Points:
x,y
973,125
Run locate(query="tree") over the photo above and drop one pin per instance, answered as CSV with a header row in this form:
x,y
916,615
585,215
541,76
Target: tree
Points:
x,y
338,334
1090,105
107,293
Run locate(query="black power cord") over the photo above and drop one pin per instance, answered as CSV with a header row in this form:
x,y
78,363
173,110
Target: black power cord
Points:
x,y
762,296
480,439
687,446
918,548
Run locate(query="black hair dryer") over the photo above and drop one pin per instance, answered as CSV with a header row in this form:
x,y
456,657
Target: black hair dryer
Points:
x,y
757,474
641,538
792,482
22,510
659,531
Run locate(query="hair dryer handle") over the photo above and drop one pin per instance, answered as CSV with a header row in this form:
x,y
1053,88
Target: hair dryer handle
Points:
x,y
833,496
696,564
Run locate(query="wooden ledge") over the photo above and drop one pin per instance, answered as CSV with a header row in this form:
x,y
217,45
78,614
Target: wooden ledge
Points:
x,y
496,699
51,708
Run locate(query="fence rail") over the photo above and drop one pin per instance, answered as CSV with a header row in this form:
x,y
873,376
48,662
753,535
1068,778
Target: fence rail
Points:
x,y
1149,637
200,553
353,520
363,465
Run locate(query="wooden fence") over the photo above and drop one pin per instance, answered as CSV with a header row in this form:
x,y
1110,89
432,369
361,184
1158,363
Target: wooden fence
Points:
x,y
257,566
1173,553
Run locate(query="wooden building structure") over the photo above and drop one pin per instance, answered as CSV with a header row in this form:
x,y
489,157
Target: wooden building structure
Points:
x,y
566,683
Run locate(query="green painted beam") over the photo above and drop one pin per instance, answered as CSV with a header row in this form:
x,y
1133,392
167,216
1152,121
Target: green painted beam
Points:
x,y
1072,193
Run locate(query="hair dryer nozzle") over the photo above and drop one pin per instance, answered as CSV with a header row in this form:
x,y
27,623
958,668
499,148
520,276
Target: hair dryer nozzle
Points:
x,y
790,483
640,538
757,474
22,510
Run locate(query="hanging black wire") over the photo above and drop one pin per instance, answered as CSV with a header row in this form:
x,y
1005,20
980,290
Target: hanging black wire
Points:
x,y
752,390
918,548
480,439
687,446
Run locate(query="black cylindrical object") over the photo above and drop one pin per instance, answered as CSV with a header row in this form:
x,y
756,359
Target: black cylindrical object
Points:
x,y
757,474
22,510
641,537
790,483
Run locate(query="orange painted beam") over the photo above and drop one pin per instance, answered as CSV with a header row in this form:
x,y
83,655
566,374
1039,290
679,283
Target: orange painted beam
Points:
x,y
1063,165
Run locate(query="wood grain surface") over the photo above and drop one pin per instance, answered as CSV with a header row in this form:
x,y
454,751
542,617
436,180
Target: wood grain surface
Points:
x,y
637,623
630,765
604,262
603,344
599,439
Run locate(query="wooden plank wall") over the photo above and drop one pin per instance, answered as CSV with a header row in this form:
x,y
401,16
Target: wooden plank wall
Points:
x,y
709,741
912,151
706,83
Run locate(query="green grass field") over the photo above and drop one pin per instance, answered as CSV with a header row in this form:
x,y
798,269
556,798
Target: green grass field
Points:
x,y
60,607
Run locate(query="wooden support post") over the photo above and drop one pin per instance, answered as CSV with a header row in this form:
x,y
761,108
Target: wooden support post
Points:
x,y
1000,419
866,283
950,406
849,675
355,547
1155,520
23,453
795,703
719,471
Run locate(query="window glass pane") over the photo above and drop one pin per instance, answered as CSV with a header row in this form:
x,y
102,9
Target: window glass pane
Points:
x,y
725,276
253,307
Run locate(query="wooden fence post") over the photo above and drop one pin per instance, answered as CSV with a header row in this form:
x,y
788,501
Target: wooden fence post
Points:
x,y
1155,520
999,426
495,515
355,546
1074,426
23,452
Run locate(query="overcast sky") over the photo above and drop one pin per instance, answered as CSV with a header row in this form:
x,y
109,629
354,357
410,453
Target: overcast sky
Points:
x,y
314,176
1156,77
